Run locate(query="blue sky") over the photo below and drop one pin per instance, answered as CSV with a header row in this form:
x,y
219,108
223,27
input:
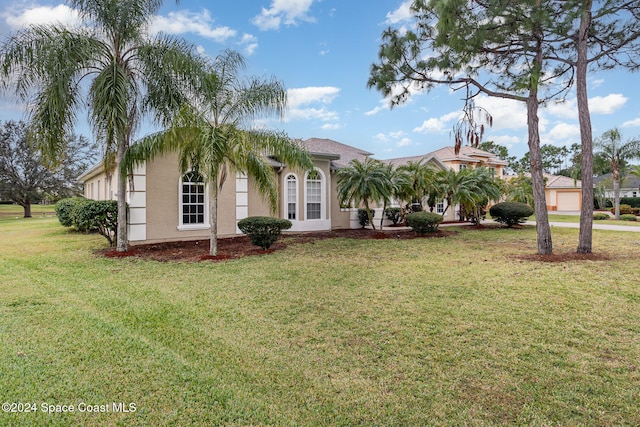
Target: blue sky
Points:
x,y
322,51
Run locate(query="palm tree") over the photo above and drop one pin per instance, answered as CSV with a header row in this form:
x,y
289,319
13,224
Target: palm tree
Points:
x,y
617,153
211,134
111,66
361,183
469,188
400,185
421,176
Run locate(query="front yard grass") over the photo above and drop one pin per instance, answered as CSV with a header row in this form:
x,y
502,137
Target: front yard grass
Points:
x,y
453,331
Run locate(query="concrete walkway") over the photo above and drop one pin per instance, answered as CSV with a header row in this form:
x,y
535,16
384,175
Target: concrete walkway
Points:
x,y
596,226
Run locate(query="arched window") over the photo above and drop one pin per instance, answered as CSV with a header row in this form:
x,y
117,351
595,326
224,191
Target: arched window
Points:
x,y
291,195
314,195
192,200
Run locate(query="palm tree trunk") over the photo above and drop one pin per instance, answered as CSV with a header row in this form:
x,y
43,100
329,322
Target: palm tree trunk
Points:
x,y
366,206
585,240
615,174
121,238
213,216
384,208
543,229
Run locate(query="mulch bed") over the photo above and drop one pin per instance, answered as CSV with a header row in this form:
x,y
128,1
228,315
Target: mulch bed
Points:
x,y
240,246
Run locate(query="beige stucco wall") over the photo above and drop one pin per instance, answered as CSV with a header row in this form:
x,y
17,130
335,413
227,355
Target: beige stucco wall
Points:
x,y
553,195
163,215
99,187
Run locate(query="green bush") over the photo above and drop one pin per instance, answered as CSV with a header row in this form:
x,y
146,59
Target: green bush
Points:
x,y
393,214
99,215
424,222
624,209
363,219
510,213
79,220
628,217
263,231
599,216
64,210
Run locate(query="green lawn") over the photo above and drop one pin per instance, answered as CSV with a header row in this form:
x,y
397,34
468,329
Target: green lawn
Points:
x,y
453,331
15,211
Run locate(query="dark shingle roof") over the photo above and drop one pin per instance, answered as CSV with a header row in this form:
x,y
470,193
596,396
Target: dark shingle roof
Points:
x,y
329,146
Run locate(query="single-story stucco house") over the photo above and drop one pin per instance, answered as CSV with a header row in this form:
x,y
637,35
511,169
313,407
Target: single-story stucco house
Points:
x,y
629,185
167,206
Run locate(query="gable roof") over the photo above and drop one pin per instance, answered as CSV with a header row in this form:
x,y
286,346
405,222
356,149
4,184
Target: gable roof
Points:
x,y
325,147
447,154
559,181
628,181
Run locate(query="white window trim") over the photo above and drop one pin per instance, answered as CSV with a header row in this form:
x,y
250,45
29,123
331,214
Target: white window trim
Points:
x,y
285,208
323,196
189,227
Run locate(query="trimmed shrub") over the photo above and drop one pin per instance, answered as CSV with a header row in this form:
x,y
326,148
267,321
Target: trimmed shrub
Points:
x,y
424,222
624,209
393,214
263,231
510,213
599,216
64,210
628,217
363,219
98,215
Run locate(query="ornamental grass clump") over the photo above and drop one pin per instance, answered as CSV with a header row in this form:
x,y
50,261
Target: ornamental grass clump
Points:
x,y
263,231
424,222
510,213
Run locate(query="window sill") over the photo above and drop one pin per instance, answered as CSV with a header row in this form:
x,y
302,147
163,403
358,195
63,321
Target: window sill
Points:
x,y
193,227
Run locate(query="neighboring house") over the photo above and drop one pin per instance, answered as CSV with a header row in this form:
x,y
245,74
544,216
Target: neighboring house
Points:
x,y
444,158
629,185
562,193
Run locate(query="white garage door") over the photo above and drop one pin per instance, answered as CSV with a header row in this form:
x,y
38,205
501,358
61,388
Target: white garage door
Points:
x,y
569,201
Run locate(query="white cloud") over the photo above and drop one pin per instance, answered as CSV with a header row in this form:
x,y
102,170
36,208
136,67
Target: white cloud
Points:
x,y
506,140
331,126
631,123
375,110
189,22
43,15
250,43
302,104
607,104
567,109
439,124
401,14
506,113
561,133
404,142
312,94
287,12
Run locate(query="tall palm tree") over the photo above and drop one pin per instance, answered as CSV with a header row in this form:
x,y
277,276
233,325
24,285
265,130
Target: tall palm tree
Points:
x,y
111,66
610,147
212,134
363,183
